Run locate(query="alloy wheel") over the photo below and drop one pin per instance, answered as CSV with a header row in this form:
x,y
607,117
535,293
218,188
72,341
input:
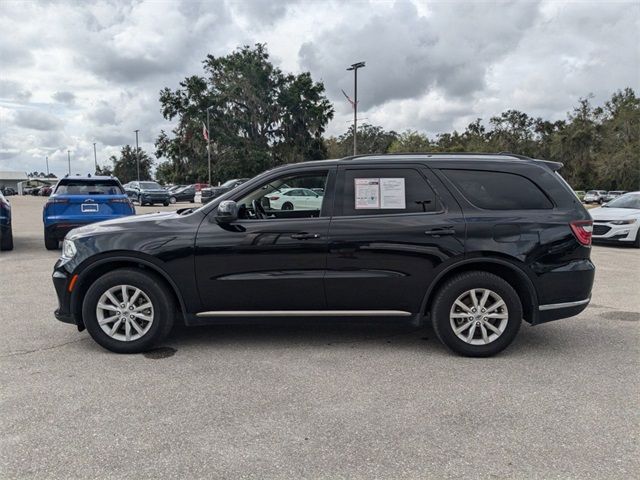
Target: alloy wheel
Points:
x,y
479,316
125,313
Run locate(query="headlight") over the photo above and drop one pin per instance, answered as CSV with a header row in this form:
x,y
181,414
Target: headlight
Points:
x,y
68,249
623,222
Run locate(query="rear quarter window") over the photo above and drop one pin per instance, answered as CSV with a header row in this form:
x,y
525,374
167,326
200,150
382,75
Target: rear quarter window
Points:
x,y
89,187
498,190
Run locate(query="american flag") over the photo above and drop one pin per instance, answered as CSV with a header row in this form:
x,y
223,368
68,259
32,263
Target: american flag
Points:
x,y
205,132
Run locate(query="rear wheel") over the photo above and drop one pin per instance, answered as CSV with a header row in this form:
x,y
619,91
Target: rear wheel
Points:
x,y
476,314
166,203
50,242
7,240
128,311
172,200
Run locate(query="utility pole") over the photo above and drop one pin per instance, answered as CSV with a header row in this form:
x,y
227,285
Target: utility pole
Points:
x,y
95,157
69,160
209,144
46,159
355,68
137,155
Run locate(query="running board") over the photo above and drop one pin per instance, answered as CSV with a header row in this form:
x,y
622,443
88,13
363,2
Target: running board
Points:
x,y
305,313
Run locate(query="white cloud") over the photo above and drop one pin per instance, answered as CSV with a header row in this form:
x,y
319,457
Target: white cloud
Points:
x,y
73,73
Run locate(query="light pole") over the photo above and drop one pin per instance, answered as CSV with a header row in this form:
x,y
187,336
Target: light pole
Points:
x,y
209,144
137,155
355,68
46,159
69,160
95,157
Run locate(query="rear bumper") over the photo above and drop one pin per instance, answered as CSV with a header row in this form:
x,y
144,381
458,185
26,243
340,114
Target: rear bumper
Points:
x,y
556,311
59,227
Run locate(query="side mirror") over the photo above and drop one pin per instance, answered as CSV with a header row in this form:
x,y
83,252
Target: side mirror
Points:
x,y
227,212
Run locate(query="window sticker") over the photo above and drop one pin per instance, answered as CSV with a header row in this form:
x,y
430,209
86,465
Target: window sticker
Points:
x,y
367,193
392,193
380,193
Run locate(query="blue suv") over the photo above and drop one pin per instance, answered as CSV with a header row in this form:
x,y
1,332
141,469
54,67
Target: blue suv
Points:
x,y
78,201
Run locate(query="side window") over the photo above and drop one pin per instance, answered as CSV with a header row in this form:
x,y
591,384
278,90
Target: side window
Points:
x,y
498,190
280,198
387,191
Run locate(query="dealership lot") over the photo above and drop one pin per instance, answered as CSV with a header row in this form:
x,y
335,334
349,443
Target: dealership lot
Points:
x,y
315,400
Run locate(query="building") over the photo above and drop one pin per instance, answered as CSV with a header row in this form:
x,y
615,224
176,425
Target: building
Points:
x,y
9,179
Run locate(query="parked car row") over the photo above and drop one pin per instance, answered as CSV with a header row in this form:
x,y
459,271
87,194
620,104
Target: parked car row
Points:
x,y
601,196
7,191
209,193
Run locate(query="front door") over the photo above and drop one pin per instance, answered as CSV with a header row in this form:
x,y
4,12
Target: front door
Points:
x,y
270,259
393,227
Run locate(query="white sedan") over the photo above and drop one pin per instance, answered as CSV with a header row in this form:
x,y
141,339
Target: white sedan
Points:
x,y
295,199
618,220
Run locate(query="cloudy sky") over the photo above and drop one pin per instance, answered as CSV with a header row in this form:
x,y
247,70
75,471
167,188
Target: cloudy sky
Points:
x,y
73,73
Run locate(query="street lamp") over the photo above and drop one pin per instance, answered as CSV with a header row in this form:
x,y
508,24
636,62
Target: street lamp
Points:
x,y
355,68
95,157
46,159
137,155
69,160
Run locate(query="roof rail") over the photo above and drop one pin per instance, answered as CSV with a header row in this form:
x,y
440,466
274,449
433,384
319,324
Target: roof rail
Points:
x,y
362,155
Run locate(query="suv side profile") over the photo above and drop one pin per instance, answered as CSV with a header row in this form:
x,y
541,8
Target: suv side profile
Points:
x,y
473,243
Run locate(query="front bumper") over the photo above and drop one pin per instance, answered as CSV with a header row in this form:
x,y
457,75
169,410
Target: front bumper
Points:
x,y
61,284
608,232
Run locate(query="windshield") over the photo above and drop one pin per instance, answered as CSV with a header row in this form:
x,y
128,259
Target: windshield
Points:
x,y
149,185
630,200
89,187
229,183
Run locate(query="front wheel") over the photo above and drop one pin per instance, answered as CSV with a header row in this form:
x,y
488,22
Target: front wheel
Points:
x,y
128,311
172,200
287,206
476,314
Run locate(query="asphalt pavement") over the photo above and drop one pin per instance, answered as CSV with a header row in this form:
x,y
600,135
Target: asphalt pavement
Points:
x,y
315,400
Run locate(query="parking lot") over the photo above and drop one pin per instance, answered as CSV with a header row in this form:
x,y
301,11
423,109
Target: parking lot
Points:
x,y
315,400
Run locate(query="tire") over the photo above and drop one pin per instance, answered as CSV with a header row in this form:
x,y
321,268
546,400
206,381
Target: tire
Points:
x,y
7,240
193,200
287,206
50,242
637,242
152,290
445,310
165,203
172,200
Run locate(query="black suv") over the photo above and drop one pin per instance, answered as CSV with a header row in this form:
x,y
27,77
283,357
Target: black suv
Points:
x,y
209,193
472,242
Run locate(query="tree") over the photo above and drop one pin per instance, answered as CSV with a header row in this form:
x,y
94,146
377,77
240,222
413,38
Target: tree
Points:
x,y
126,166
104,170
410,141
371,139
618,159
259,118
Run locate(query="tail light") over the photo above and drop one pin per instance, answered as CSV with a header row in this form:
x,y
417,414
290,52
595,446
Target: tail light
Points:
x,y
582,229
274,198
119,200
58,200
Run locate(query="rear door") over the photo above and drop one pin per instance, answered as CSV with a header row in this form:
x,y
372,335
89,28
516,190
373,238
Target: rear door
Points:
x,y
394,227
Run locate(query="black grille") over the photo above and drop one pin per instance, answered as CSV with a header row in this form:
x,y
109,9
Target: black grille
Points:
x,y
600,229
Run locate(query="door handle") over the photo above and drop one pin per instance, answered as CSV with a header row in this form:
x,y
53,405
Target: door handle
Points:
x,y
304,236
443,230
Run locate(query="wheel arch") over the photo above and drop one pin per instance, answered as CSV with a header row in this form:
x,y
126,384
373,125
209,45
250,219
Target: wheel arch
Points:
x,y
107,264
505,269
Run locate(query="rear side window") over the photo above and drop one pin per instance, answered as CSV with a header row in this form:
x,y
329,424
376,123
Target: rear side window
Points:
x,y
387,191
499,190
88,187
